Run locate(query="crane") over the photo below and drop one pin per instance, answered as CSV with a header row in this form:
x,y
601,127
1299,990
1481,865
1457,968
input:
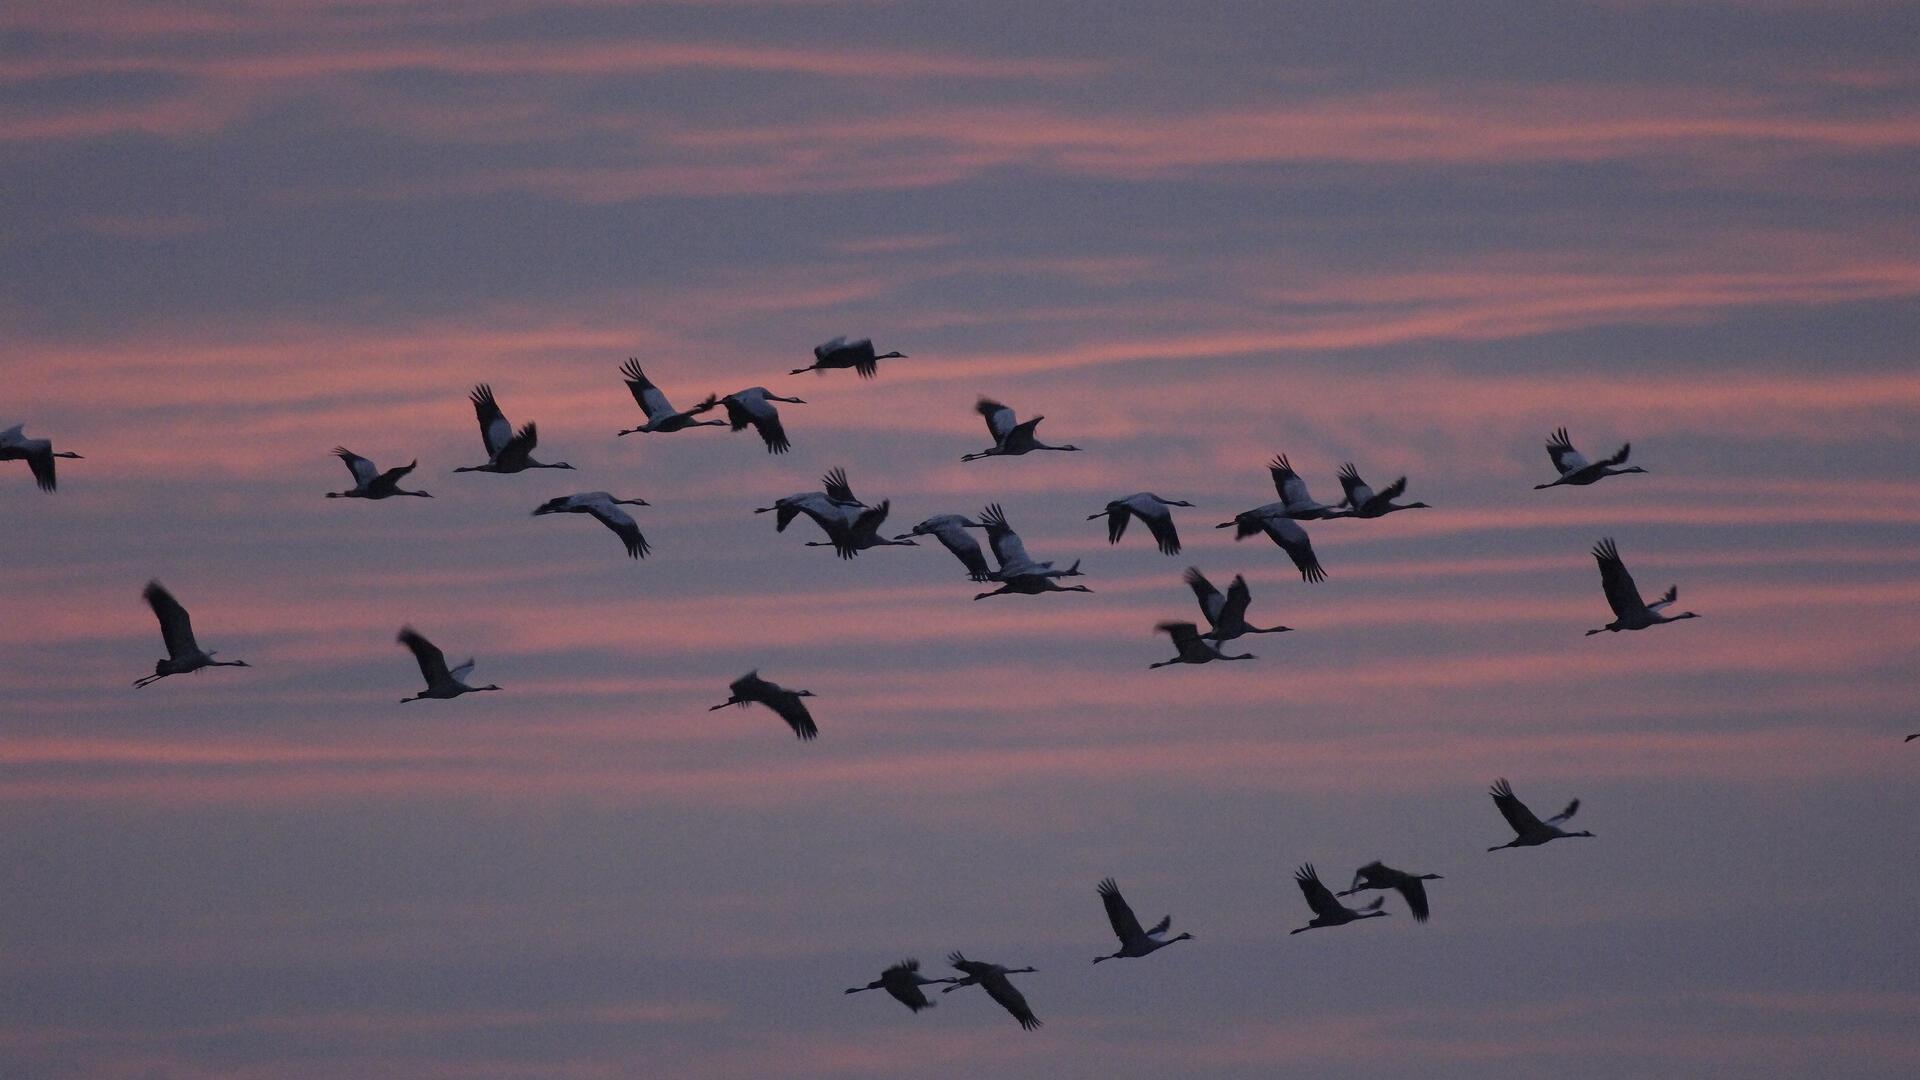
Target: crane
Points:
x,y
1134,942
841,353
1411,887
754,406
1326,910
1630,612
369,482
1227,615
993,979
442,683
1009,439
508,451
1193,649
605,509
902,982
661,415
1575,470
1530,831
176,629
37,453
1152,511
751,688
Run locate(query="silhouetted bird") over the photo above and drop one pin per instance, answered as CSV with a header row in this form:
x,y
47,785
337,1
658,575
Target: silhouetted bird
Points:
x,y
1227,615
835,504
1629,611
661,415
1193,649
841,353
1018,573
1378,875
1366,503
754,405
37,453
750,688
951,531
606,509
1576,470
1009,439
1326,910
1529,831
1296,502
903,982
508,451
369,482
441,682
1134,942
176,629
854,534
993,979
1152,510
1285,532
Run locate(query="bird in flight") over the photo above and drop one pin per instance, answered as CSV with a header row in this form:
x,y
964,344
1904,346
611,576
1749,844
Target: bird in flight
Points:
x,y
441,682
661,415
1134,942
1295,500
369,482
1623,596
1411,887
751,688
1530,831
1326,910
1366,503
1193,648
1152,510
754,406
902,982
854,533
1018,573
37,453
508,451
837,503
176,629
1575,470
606,509
993,979
841,353
951,531
1284,531
1009,439
1227,615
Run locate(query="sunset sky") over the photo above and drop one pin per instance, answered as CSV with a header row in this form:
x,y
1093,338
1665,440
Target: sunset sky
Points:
x,y
1416,237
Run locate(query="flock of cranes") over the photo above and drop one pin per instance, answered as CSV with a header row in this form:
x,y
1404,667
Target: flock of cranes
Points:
x,y
850,526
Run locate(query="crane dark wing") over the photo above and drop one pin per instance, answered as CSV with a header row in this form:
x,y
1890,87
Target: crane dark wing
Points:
x,y
433,662
1293,539
794,711
40,462
1357,490
1164,534
1211,602
363,470
1564,457
1125,926
1318,898
967,550
645,394
771,431
1117,523
175,628
1288,483
623,525
520,447
1622,595
838,490
1415,893
1619,456
999,418
1185,635
1002,990
1572,809
1393,491
392,477
494,429
1238,597
1513,809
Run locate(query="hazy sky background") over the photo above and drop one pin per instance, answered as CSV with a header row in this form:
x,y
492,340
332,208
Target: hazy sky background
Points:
x,y
1417,237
